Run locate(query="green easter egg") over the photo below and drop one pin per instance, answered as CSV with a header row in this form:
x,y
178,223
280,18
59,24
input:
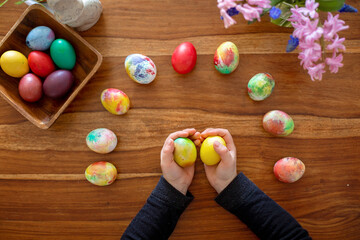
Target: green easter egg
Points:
x,y
63,54
260,86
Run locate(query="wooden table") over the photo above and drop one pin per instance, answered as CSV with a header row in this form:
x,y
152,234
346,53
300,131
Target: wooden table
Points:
x,y
43,193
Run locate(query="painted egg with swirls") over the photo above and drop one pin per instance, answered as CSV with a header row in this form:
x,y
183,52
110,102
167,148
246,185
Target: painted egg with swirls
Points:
x,y
140,68
101,140
278,123
226,58
185,152
101,173
289,169
115,101
260,86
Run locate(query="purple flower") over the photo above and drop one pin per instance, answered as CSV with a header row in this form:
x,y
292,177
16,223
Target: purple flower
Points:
x,y
275,12
250,13
310,9
260,3
348,8
292,44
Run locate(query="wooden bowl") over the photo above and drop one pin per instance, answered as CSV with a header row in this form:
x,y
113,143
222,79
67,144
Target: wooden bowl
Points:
x,y
88,60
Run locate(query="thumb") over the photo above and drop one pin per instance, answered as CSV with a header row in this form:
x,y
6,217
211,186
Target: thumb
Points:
x,y
222,151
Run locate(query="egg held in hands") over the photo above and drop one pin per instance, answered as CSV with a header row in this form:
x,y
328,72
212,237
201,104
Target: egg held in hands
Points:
x,y
207,152
185,152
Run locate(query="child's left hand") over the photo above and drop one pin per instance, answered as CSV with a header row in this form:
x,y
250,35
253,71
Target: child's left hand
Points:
x,y
180,178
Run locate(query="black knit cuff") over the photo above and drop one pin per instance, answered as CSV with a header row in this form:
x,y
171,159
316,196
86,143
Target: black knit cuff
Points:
x,y
232,197
165,192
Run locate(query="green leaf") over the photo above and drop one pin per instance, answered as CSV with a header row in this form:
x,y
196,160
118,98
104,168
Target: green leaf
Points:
x,y
19,2
330,5
1,4
275,2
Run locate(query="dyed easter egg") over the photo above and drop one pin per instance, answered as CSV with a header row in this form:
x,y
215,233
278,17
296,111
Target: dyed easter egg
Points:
x,y
185,152
289,169
260,86
40,38
226,58
40,63
278,123
63,54
115,101
58,83
140,68
101,140
184,58
30,88
207,152
101,173
14,64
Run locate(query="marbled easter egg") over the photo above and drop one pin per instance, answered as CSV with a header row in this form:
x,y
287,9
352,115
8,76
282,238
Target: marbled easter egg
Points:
x,y
260,86
185,152
226,58
115,101
40,38
101,173
140,68
101,140
207,152
278,123
289,169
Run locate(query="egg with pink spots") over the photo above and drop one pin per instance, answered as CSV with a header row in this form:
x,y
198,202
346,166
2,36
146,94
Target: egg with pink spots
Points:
x,y
289,169
115,101
101,140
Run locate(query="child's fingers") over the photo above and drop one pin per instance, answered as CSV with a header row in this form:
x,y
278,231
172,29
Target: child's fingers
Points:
x,y
224,153
224,133
178,134
167,151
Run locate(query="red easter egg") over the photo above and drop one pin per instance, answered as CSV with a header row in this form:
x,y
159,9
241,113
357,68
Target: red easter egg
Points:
x,y
289,169
30,88
40,63
184,58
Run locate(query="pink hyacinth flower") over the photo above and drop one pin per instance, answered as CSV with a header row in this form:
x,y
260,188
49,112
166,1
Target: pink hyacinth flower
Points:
x,y
332,26
336,44
310,9
260,3
335,62
228,21
316,71
226,4
250,13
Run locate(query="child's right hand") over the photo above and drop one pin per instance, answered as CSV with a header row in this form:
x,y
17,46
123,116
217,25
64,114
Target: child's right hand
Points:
x,y
221,175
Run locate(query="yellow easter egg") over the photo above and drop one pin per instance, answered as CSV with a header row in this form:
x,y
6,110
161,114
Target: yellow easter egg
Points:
x,y
115,101
14,63
207,152
185,152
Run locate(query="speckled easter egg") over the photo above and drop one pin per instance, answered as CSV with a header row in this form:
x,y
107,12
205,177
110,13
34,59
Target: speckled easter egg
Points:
x,y
140,68
101,173
226,58
289,169
14,63
207,152
40,38
185,152
260,86
101,140
115,101
63,54
278,123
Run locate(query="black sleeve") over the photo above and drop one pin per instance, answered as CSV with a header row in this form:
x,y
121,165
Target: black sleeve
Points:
x,y
158,217
259,212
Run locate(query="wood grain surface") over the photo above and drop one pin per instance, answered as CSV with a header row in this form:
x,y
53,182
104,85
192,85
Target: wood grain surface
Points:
x,y
44,195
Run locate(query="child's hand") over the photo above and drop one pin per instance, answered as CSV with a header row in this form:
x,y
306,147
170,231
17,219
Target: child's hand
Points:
x,y
180,178
221,175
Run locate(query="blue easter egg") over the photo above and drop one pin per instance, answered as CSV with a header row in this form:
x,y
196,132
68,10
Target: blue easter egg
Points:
x,y
40,38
